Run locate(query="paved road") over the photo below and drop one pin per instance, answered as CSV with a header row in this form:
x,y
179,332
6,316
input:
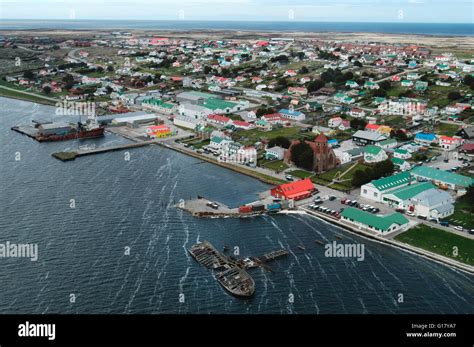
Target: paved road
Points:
x,y
398,74
72,55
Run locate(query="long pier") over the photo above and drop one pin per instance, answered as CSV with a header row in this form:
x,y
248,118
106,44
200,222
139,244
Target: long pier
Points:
x,y
72,155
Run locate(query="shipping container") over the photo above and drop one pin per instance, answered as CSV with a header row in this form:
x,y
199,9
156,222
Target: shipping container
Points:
x,y
245,209
273,207
258,208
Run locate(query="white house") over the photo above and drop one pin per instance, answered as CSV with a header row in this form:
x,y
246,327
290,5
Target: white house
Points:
x,y
374,154
292,115
334,122
275,153
449,143
401,153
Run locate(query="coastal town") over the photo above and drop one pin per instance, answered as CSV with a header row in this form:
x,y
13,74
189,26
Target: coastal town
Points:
x,y
375,137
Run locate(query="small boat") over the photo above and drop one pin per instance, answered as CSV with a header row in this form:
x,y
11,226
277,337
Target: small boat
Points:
x,y
303,248
338,237
319,242
226,248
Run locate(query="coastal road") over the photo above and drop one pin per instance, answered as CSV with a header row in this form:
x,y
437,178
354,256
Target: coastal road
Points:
x,y
31,94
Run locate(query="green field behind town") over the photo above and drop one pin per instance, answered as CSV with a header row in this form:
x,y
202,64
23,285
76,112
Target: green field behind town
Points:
x,y
440,242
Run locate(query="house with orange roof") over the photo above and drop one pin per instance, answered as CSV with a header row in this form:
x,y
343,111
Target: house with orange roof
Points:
x,y
158,131
449,143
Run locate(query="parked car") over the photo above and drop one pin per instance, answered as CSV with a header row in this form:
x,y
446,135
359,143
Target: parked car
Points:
x,y
433,220
400,210
471,231
422,217
410,214
459,228
332,198
289,178
444,223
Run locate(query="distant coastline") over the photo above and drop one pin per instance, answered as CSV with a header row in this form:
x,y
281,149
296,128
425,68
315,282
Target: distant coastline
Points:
x,y
424,29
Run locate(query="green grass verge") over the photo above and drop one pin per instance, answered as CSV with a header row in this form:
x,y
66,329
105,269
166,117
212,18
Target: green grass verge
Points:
x,y
440,242
447,129
300,173
249,137
20,96
276,165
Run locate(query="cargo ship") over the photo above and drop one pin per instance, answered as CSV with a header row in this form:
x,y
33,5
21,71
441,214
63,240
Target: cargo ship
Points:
x,y
46,131
51,132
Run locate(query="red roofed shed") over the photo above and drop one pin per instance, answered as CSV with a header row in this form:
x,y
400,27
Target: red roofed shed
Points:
x,y
295,190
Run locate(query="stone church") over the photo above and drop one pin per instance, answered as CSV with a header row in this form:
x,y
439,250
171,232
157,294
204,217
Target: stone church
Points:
x,y
324,158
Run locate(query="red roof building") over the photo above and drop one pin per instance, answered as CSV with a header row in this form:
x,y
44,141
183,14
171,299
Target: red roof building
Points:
x,y
467,148
295,190
218,119
372,127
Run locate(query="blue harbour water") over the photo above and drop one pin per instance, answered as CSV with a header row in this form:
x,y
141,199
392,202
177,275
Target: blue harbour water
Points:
x,y
436,29
129,203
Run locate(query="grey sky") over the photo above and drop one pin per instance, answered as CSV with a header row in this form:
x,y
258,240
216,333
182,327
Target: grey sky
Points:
x,y
446,11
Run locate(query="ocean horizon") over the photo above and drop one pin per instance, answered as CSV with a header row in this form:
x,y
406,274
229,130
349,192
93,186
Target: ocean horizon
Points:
x,y
430,29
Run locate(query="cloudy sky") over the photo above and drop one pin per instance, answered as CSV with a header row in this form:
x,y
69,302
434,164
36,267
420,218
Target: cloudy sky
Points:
x,y
445,11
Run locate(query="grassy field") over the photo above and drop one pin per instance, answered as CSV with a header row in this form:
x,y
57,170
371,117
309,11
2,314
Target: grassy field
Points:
x,y
447,129
461,216
300,173
251,136
275,165
440,242
394,121
337,186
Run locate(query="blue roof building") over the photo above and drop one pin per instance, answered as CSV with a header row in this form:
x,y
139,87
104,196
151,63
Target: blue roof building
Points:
x,y
425,138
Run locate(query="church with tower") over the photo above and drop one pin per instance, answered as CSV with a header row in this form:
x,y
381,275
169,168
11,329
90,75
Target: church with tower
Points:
x,y
324,158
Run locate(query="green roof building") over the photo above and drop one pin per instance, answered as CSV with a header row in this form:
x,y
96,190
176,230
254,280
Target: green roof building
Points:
x,y
376,189
411,190
439,177
368,221
218,104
